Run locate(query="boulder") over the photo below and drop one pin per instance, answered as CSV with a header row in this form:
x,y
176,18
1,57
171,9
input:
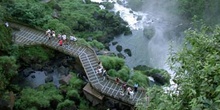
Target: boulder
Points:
x,y
37,67
27,72
63,70
159,78
128,51
65,63
120,55
114,43
65,79
149,32
48,69
119,48
33,76
49,79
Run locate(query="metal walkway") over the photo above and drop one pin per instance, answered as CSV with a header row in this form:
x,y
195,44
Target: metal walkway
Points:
x,y
28,36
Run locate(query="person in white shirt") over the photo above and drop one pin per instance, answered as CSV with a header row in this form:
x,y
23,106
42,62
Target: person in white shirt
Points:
x,y
73,38
64,38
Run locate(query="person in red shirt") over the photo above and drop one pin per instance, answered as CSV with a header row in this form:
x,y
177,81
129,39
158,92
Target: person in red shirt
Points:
x,y
60,42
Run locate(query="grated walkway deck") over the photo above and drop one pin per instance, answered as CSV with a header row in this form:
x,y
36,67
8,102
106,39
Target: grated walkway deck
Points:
x,y
28,36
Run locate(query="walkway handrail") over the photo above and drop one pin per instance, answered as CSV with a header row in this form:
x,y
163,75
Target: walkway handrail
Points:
x,y
87,57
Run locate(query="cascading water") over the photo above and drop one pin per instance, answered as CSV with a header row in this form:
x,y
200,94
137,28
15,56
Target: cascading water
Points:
x,y
153,52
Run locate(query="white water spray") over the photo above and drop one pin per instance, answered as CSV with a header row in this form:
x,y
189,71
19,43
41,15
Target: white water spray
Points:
x,y
155,52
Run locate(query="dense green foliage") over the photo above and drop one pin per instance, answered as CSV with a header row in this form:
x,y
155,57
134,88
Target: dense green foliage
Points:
x,y
139,78
6,39
8,69
28,11
115,67
68,17
112,62
197,74
35,54
149,71
38,99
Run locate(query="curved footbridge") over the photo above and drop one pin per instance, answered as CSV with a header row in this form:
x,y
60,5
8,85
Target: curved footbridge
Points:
x,y
24,35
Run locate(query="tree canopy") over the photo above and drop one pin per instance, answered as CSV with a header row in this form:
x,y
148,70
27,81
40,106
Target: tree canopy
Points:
x,y
197,74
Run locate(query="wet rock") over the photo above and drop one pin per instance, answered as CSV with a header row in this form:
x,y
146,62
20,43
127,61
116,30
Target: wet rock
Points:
x,y
114,43
159,78
119,48
32,76
65,63
120,55
128,51
49,79
149,32
127,32
27,72
65,79
37,67
139,18
48,69
63,70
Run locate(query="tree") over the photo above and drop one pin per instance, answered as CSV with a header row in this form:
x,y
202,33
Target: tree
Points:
x,y
38,98
197,74
6,39
8,69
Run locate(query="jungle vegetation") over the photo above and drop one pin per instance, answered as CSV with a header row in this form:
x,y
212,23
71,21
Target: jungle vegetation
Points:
x,y
196,65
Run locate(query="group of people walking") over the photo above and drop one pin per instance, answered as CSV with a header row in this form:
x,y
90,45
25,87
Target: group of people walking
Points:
x,y
101,71
62,39
125,90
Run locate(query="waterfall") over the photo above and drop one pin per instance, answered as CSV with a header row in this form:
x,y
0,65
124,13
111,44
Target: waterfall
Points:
x,y
153,52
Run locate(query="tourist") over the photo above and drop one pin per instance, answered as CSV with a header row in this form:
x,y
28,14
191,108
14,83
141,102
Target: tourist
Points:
x,y
60,42
53,34
48,34
104,74
64,38
99,71
124,86
73,38
122,92
117,80
6,24
135,87
100,64
131,92
128,90
59,36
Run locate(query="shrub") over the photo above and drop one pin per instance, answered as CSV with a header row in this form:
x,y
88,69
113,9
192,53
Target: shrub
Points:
x,y
65,104
139,78
96,44
112,62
